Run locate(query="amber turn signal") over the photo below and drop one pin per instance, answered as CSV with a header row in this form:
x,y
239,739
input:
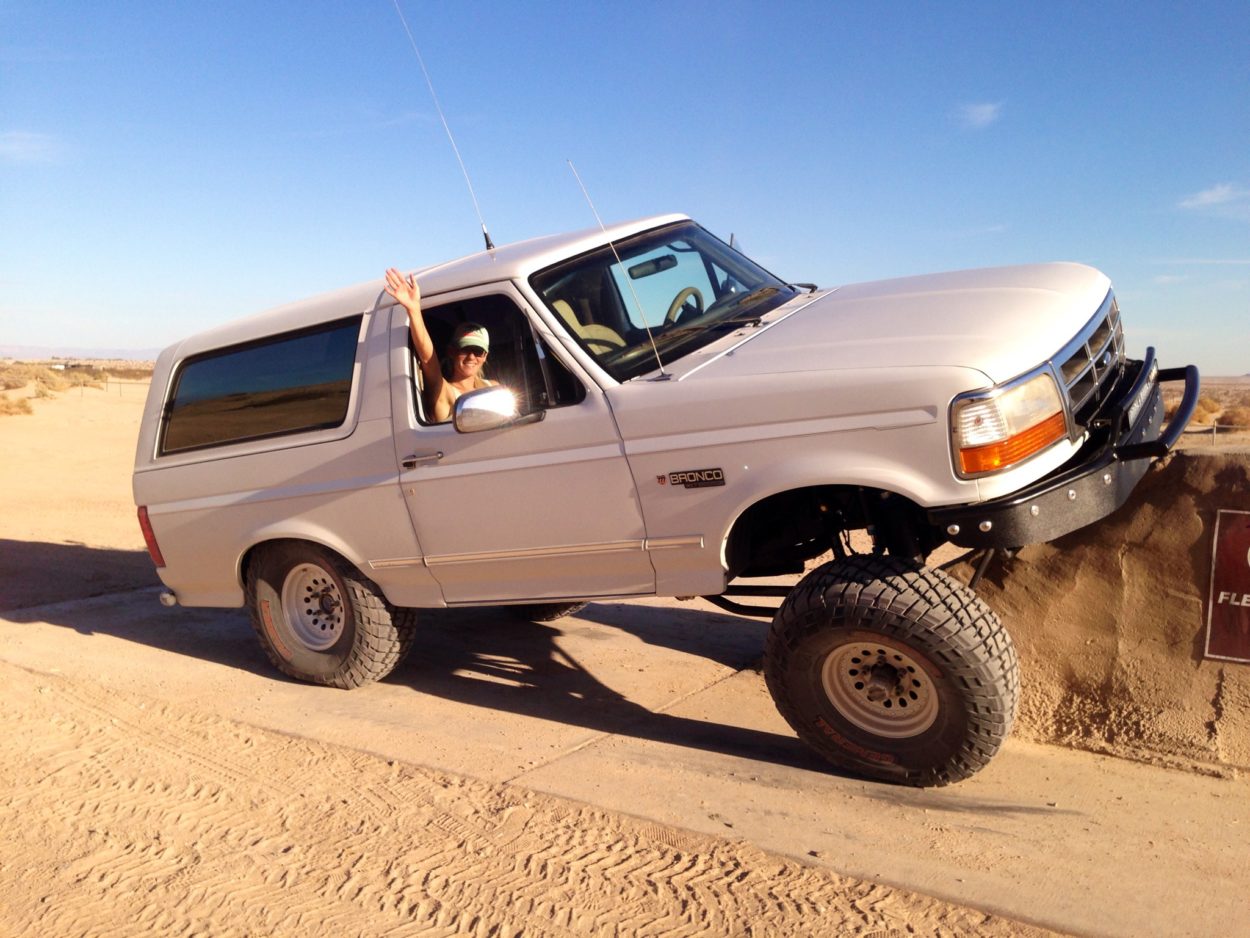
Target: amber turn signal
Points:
x,y
1008,452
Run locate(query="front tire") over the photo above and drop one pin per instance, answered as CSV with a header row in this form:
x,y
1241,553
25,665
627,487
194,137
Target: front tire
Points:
x,y
893,671
320,620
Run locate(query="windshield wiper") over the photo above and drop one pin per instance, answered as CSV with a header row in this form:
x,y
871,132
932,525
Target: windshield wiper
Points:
x,y
751,319
672,336
759,293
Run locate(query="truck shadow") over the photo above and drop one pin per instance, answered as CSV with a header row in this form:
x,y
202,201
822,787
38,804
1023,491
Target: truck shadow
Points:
x,y
485,658
107,591
494,660
34,573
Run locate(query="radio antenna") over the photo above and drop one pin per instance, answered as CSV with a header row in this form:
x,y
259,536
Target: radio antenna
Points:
x,y
490,245
664,375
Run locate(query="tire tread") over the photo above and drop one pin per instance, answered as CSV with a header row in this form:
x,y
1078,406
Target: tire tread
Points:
x,y
970,644
383,633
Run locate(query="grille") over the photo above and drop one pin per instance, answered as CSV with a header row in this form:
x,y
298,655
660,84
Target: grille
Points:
x,y
1092,362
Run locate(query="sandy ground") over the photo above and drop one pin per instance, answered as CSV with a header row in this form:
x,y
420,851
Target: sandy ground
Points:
x,y
1204,435
157,778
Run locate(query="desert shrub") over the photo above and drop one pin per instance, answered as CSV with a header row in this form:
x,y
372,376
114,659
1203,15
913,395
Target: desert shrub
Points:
x,y
20,374
50,380
130,373
8,407
83,378
16,375
1234,417
55,380
1205,411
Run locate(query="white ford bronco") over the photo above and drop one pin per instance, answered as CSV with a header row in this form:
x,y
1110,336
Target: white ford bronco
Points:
x,y
667,419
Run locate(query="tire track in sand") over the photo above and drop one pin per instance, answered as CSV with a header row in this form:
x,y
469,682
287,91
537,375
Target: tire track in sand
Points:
x,y
120,816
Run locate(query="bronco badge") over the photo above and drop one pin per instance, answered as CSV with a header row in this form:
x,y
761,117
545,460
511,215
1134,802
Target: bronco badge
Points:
x,y
694,478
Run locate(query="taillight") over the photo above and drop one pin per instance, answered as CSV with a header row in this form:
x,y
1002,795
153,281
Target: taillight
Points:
x,y
149,537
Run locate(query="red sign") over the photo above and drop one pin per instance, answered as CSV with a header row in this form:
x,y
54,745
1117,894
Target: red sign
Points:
x,y
1228,607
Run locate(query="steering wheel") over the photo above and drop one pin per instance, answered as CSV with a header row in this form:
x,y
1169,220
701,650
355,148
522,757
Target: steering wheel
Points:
x,y
674,308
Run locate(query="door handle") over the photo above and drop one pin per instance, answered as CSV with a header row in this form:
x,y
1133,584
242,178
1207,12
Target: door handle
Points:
x,y
411,462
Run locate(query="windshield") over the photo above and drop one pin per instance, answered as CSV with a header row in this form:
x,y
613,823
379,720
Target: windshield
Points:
x,y
680,281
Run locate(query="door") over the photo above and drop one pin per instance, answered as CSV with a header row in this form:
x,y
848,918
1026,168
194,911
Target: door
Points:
x,y
541,510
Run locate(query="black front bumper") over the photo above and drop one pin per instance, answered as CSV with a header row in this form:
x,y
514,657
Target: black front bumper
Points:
x,y
1126,437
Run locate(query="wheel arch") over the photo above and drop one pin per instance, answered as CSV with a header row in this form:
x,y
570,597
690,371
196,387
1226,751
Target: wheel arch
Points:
x,y
812,517
249,555
882,476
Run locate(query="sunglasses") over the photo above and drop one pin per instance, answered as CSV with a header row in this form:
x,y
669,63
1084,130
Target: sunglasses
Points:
x,y
472,350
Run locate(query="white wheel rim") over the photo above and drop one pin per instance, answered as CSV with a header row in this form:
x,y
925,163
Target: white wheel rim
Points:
x,y
313,606
880,689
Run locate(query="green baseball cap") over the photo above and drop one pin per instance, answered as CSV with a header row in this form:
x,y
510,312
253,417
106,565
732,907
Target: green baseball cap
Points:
x,y
471,335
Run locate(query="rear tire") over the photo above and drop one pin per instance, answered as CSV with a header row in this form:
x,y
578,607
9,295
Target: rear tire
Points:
x,y
320,620
893,671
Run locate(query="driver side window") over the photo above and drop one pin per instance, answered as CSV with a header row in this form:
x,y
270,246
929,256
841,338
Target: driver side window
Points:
x,y
514,360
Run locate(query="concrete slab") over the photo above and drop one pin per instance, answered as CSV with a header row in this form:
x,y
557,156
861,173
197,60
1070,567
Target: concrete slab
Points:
x,y
654,709
1072,841
481,693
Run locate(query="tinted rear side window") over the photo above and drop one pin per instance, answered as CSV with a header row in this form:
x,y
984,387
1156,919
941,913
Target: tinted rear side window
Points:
x,y
294,382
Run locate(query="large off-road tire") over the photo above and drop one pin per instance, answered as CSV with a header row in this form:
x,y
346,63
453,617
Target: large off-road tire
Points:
x,y
320,620
893,671
545,612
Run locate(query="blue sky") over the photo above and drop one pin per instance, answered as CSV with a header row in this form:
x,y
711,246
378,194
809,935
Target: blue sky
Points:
x,y
168,166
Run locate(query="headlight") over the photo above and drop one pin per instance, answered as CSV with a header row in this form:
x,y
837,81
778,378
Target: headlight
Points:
x,y
999,428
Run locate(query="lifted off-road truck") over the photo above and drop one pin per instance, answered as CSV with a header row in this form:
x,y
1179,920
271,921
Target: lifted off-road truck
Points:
x,y
669,419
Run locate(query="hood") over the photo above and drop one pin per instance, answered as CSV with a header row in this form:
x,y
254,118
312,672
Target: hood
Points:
x,y
1000,321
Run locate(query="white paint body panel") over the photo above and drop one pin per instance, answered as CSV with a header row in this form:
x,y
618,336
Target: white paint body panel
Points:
x,y
329,486
542,511
1002,322
849,387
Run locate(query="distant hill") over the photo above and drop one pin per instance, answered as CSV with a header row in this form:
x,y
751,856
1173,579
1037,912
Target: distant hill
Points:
x,y
45,352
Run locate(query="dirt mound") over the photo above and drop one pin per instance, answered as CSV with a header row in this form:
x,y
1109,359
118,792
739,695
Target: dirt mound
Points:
x,y
1110,626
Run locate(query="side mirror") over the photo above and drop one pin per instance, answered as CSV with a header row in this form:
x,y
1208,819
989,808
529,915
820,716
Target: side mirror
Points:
x,y
489,409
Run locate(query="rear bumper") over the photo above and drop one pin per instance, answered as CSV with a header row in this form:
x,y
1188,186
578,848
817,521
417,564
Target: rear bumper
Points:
x,y
1127,435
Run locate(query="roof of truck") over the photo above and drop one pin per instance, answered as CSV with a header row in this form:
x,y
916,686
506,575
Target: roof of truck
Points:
x,y
515,261
522,258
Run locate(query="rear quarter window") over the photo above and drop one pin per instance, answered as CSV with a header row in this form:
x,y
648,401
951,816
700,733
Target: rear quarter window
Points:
x,y
291,383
